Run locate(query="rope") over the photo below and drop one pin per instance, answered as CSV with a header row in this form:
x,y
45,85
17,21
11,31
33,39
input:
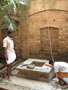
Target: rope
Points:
x,y
49,35
50,42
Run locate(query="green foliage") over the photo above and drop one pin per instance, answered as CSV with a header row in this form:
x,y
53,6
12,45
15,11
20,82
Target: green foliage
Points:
x,y
4,3
6,18
12,24
1,7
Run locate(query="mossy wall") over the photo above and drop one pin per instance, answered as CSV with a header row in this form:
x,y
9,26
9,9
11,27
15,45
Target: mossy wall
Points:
x,y
21,35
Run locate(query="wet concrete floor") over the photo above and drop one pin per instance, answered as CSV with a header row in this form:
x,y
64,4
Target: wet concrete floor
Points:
x,y
2,89
17,83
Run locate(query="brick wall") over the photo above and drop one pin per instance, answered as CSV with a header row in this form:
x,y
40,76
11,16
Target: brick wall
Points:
x,y
39,5
54,20
32,39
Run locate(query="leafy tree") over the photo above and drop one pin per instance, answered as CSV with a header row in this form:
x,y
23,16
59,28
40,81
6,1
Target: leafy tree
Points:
x,y
14,3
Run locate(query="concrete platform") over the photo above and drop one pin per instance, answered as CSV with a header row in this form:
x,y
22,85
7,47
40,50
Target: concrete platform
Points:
x,y
39,72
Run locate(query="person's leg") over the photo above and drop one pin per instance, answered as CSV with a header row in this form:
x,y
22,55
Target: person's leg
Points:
x,y
65,80
61,81
9,70
60,76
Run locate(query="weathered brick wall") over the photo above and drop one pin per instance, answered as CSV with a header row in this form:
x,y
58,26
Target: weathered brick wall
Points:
x,y
1,49
39,5
56,20
32,40
1,39
24,32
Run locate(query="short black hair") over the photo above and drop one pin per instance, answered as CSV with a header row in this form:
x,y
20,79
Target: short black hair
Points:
x,y
10,31
51,61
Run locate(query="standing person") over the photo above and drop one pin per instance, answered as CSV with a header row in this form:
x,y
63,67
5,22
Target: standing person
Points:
x,y
61,71
9,51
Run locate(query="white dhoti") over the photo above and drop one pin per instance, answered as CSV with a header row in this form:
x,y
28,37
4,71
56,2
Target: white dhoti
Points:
x,y
11,57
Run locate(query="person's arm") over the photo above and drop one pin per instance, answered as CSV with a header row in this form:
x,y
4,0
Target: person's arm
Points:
x,y
5,48
48,65
5,53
